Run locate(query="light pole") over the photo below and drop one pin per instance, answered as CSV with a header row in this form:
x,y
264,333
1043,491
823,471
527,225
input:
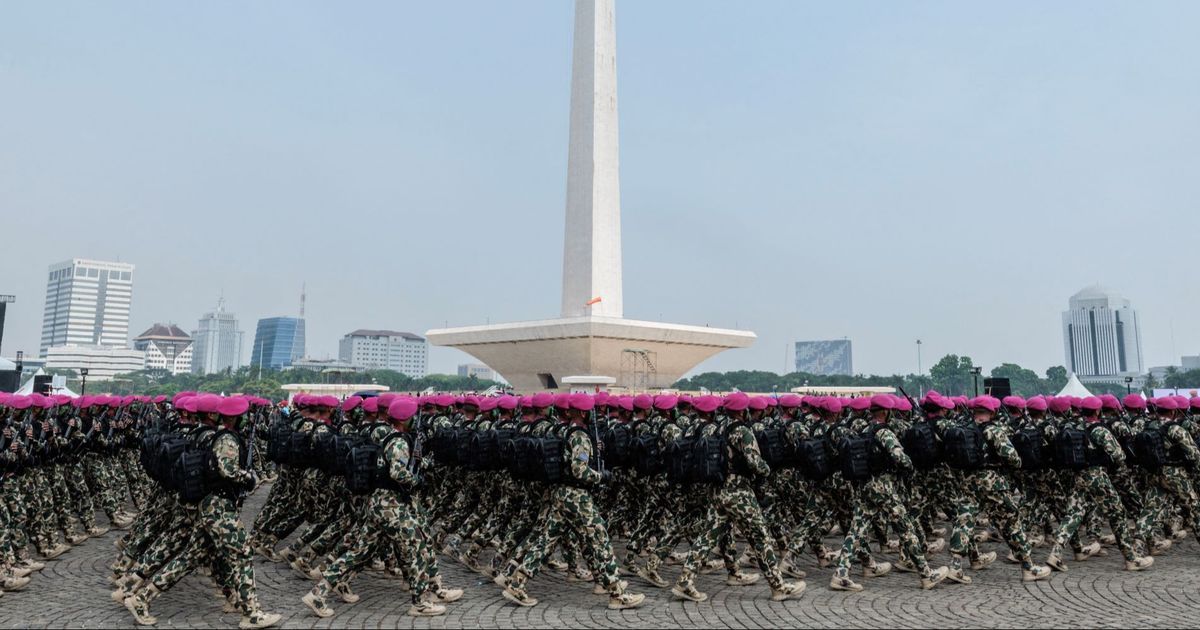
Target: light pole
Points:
x,y
920,385
975,372
83,381
1128,385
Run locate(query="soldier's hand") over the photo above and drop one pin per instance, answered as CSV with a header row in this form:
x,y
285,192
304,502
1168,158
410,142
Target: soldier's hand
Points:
x,y
605,476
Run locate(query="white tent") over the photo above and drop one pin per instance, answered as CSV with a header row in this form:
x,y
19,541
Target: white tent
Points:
x,y
1075,388
27,388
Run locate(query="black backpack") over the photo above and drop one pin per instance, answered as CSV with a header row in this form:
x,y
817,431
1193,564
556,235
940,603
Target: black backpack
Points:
x,y
540,459
773,444
619,445
815,458
279,441
921,444
192,471
1031,446
361,467
963,446
648,456
325,450
860,454
1097,456
1149,447
1070,449
300,449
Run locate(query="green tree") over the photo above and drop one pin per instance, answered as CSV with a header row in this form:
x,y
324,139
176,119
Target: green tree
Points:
x,y
1056,379
952,376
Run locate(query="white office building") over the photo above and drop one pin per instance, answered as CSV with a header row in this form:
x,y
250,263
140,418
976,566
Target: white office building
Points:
x,y
87,304
386,350
167,349
1102,337
217,342
102,363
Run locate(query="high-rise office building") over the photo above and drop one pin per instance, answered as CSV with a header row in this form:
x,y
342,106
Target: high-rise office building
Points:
x,y
1101,335
87,304
167,348
278,342
216,342
387,350
825,358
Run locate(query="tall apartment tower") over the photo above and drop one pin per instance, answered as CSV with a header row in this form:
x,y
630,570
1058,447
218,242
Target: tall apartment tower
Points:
x,y
87,304
217,342
1101,335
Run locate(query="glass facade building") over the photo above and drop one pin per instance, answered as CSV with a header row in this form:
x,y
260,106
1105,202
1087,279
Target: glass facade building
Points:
x,y
278,342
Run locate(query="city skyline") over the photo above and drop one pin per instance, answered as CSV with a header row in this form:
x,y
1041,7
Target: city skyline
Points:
x,y
886,160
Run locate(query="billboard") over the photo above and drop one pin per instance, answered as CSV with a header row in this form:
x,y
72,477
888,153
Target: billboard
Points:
x,y
825,358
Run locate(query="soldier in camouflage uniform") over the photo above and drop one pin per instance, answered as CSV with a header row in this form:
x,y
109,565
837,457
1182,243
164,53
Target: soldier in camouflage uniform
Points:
x,y
1172,480
570,508
733,504
1093,490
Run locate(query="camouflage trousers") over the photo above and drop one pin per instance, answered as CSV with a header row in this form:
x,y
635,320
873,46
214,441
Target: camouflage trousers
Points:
x,y
1170,482
281,514
1093,491
879,498
387,520
219,539
570,510
733,505
992,496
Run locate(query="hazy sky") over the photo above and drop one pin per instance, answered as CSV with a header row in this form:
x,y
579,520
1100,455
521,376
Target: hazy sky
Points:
x,y
884,171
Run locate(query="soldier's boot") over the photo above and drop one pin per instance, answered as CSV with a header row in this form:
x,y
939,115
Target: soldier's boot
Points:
x,y
934,577
935,547
600,589
126,586
741,578
1139,564
1055,560
554,564
96,531
423,608
841,582
791,570
13,583
955,571
650,575
904,565
825,557
1160,547
76,538
442,594
289,556
1108,540
138,605
301,568
677,557
892,546
787,590
625,601
716,564
688,592
746,560
265,548
514,591
1087,552
31,564
376,564
580,574
1035,573
56,551
259,619
345,594
1011,558
1037,541
315,600
983,560
878,569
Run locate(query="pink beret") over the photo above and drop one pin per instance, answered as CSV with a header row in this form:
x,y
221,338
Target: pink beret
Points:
x,y
985,402
581,402
371,405
706,404
159,399
902,404
487,403
20,401
665,402
1016,402
508,403
562,400
541,400
1134,401
470,400
736,401
208,403
1037,403
444,400
643,401
188,403
759,403
789,401
862,403
402,408
1109,401
1059,404
1195,402
351,403
526,401
883,401
328,401
233,407
1166,403
1091,403
832,404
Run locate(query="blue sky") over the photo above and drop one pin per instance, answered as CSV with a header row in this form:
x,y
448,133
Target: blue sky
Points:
x,y
883,171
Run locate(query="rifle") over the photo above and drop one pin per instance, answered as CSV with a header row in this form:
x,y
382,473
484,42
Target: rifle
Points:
x,y
915,407
414,458
596,442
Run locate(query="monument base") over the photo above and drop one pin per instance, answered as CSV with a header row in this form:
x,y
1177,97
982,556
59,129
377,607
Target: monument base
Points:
x,y
640,355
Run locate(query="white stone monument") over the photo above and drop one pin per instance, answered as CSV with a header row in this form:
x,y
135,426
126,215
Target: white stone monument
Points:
x,y
591,337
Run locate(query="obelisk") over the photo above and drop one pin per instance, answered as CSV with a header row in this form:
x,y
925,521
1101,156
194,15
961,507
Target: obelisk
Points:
x,y
592,243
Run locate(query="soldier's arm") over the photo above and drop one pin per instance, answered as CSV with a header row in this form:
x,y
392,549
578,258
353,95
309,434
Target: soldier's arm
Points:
x,y
1111,447
1004,447
398,462
744,438
581,454
894,449
1184,439
228,453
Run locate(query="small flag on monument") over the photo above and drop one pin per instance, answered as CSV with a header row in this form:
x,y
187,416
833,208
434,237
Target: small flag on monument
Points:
x,y
592,301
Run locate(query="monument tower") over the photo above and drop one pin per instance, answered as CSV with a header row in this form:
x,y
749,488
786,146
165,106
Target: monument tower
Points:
x,y
591,338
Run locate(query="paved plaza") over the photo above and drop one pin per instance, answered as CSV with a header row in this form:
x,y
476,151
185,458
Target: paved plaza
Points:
x,y
73,591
